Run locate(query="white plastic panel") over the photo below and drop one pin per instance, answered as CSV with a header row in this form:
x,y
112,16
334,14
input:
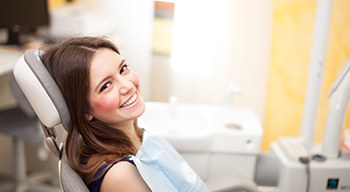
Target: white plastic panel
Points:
x,y
36,94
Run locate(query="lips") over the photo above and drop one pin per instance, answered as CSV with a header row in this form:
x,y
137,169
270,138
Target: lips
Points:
x,y
129,101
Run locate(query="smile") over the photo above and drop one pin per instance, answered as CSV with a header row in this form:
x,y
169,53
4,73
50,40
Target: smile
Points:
x,y
130,101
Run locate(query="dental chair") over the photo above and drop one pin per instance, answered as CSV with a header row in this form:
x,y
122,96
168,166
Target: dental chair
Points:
x,y
48,103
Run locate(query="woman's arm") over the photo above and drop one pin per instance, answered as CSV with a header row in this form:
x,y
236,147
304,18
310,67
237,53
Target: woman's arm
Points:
x,y
123,176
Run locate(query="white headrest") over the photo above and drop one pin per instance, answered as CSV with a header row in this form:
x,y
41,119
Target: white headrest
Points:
x,y
41,90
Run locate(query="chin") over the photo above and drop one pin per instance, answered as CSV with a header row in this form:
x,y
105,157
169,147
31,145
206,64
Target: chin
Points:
x,y
141,109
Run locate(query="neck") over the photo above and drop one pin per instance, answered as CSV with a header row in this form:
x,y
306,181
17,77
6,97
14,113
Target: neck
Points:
x,y
129,130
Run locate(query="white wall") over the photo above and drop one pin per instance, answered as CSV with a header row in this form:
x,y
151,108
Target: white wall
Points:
x,y
132,22
218,42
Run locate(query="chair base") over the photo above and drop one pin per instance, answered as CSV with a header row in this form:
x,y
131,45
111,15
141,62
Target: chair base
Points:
x,y
29,185
22,182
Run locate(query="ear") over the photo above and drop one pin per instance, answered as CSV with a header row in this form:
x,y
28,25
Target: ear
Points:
x,y
88,117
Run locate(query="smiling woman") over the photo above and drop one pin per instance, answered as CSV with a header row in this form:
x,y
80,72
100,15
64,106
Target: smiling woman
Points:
x,y
104,141
82,67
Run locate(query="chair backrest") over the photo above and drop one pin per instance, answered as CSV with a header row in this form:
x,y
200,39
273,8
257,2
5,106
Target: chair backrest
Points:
x,y
49,105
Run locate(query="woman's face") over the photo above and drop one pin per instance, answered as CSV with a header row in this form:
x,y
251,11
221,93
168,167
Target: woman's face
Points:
x,y
114,94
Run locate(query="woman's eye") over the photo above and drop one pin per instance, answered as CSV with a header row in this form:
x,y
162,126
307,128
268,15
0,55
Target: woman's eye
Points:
x,y
124,68
105,86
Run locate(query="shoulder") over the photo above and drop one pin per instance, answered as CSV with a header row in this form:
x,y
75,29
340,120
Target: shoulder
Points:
x,y
123,176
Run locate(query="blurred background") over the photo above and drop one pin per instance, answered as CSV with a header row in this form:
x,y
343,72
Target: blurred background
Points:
x,y
245,53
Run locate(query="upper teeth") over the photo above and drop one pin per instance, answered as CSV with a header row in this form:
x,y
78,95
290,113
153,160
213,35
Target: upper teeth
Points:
x,y
130,101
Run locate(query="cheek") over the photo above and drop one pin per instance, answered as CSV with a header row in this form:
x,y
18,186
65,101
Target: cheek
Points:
x,y
105,104
136,81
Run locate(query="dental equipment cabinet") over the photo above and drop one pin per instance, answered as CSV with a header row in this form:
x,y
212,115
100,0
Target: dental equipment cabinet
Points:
x,y
318,168
309,167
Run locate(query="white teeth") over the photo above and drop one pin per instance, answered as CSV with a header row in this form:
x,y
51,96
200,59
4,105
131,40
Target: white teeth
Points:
x,y
130,101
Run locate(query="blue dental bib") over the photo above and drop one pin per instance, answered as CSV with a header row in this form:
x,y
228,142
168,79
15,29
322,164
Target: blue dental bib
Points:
x,y
163,169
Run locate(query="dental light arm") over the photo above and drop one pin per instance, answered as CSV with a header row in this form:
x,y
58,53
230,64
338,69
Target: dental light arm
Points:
x,y
339,80
339,94
318,50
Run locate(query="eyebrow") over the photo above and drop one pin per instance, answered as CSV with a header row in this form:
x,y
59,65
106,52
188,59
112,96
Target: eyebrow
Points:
x,y
104,79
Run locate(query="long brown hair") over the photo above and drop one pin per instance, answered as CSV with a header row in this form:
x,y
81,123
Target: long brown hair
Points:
x,y
68,62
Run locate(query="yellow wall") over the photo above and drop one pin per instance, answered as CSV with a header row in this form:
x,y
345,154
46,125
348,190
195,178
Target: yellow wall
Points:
x,y
290,58
56,3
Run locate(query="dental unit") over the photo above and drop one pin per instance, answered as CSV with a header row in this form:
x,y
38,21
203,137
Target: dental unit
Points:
x,y
229,143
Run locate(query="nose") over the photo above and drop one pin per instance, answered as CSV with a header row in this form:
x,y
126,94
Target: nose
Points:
x,y
125,86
